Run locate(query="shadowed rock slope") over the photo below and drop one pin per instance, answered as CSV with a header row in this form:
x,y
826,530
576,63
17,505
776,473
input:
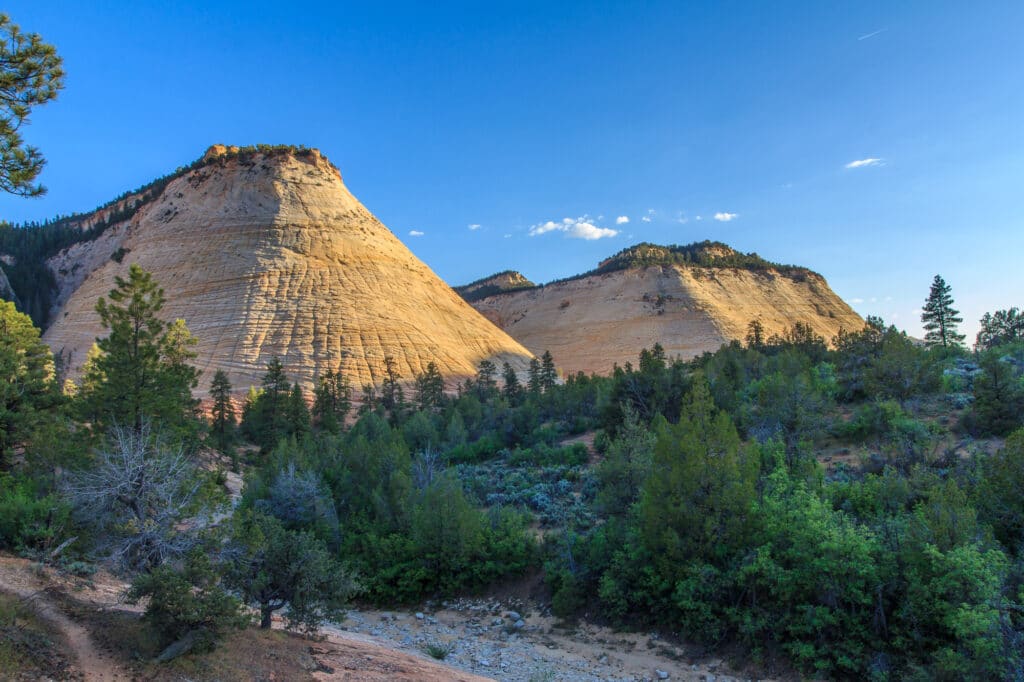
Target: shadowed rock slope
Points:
x,y
690,299
265,252
6,292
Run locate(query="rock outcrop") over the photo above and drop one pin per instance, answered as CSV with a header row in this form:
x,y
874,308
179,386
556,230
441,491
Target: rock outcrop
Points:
x,y
592,322
499,283
6,292
264,252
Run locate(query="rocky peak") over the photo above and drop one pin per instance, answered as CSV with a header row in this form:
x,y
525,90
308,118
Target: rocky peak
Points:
x,y
501,282
264,252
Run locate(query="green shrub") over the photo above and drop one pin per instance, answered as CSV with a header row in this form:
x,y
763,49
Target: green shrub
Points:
x,y
28,521
484,448
545,455
438,650
188,603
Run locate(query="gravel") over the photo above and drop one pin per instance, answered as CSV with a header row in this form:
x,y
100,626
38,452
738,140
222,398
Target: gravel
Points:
x,y
485,638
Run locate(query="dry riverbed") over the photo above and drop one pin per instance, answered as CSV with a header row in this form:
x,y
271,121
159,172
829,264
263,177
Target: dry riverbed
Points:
x,y
519,644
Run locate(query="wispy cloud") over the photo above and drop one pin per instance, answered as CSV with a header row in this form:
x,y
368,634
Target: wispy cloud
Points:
x,y
650,215
474,226
865,163
725,217
873,34
415,233
622,220
576,228
856,300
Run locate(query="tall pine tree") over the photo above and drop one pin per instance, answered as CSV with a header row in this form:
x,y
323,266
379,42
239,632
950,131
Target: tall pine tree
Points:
x,y
548,373
142,369
534,382
429,388
332,400
222,415
940,318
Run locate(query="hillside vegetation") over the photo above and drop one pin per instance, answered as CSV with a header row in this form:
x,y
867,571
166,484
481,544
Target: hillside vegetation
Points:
x,y
854,511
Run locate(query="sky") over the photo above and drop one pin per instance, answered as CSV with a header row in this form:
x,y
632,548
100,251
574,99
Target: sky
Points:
x,y
877,143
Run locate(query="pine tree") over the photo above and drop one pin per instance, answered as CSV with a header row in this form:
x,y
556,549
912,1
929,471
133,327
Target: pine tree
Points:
x,y
274,397
512,388
695,503
222,415
142,370
265,418
391,395
429,388
940,318
755,335
1003,326
332,400
534,383
30,75
368,402
298,413
486,384
548,373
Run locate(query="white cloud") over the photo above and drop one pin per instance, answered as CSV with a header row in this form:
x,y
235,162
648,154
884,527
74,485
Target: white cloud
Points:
x,y
856,300
415,233
865,163
474,226
646,219
681,218
622,220
508,236
725,217
576,228
700,217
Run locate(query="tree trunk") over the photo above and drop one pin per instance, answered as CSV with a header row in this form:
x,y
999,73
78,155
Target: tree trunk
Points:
x,y
265,617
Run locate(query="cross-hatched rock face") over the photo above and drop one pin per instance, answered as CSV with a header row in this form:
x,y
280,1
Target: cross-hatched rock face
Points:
x,y
268,253
592,323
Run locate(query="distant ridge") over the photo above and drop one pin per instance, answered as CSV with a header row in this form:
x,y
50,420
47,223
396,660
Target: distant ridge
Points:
x,y
700,254
498,283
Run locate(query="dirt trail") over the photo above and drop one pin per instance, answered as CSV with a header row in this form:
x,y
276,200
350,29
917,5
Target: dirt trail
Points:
x,y
18,578
348,657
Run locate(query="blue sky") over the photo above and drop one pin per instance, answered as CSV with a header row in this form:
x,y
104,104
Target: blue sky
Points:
x,y
511,116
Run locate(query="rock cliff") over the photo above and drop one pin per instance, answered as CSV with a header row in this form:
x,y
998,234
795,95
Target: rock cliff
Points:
x,y
6,292
265,252
692,305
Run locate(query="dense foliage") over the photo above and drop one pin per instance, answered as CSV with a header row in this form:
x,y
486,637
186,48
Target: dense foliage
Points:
x,y
824,504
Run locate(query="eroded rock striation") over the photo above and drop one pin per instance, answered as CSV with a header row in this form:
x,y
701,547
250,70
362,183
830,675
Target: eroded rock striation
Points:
x,y
689,299
265,252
